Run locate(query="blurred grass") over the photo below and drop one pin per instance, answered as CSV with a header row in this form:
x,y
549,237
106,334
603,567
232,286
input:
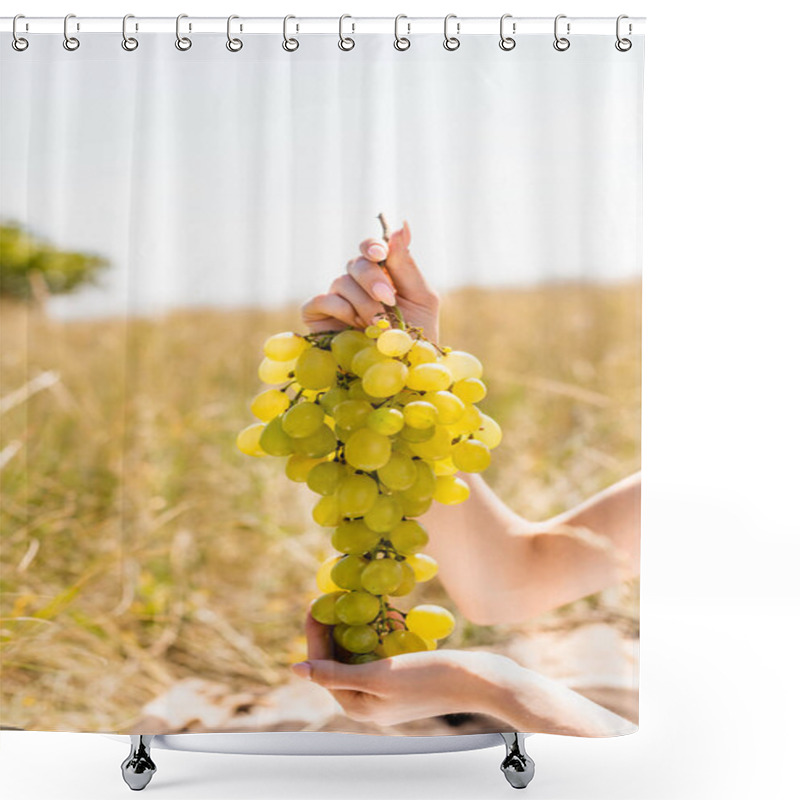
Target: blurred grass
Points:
x,y
140,547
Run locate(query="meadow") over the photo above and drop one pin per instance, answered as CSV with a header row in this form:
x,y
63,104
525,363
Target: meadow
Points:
x,y
140,547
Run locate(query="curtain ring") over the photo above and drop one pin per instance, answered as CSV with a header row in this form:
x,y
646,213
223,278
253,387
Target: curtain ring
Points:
x,y
623,45
234,45
507,42
290,45
401,42
129,43
451,42
345,42
182,42
18,42
70,42
561,43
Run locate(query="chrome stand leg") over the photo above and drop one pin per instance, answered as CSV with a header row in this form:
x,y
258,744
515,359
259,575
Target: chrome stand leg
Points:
x,y
138,768
517,766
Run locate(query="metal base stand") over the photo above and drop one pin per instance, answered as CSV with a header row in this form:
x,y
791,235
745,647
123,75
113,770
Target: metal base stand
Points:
x,y
138,768
517,766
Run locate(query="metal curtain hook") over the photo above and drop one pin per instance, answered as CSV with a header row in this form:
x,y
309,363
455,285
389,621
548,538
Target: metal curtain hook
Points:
x,y
507,42
70,42
18,42
345,42
451,42
129,43
290,45
234,45
623,45
182,42
561,43
401,42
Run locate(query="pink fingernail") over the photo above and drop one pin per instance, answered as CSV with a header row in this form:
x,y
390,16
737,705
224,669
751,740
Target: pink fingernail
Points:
x,y
302,670
384,293
376,251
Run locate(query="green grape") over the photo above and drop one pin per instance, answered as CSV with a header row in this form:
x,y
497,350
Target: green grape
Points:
x,y
275,441
385,513
383,324
285,346
398,473
364,359
421,352
429,378
271,372
407,582
320,444
382,576
423,566
444,466
330,399
303,419
409,537
341,434
323,608
352,414
385,379
356,391
267,405
386,421
489,432
471,456
325,582
415,508
450,408
462,365
248,440
440,445
450,490
357,495
338,633
420,414
359,639
298,467
398,642
424,482
325,477
364,658
470,390
354,537
372,331
394,342
367,450
470,421
316,369
326,512
357,608
429,621
417,435
346,572
345,345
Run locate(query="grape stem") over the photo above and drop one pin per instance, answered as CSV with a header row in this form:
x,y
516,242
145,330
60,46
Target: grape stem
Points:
x,y
394,312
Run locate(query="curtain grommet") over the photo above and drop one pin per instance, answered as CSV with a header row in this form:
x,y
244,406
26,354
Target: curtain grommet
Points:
x,y
507,42
71,43
623,44
401,43
19,43
346,43
129,43
451,43
289,44
233,44
561,43
183,43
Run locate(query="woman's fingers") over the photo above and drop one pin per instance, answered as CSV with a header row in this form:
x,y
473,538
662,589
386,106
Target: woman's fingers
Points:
x,y
333,675
374,249
328,312
406,275
366,308
318,639
372,279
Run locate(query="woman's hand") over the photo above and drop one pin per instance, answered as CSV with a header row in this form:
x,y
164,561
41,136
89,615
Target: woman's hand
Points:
x,y
355,298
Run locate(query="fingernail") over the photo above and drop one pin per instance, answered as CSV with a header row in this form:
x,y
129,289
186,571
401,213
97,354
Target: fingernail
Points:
x,y
376,251
406,234
384,293
302,670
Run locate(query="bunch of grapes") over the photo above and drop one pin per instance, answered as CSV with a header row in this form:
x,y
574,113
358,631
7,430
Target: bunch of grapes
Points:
x,y
377,423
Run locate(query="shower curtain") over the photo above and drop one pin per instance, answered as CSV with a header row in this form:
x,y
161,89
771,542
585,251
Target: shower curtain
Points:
x,y
320,382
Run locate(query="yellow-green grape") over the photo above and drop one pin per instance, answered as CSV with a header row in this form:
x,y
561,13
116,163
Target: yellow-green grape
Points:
x,y
385,513
429,621
298,467
359,639
352,414
424,482
385,378
346,572
417,435
364,658
469,422
450,490
489,432
398,473
270,371
324,580
326,476
356,391
420,414
383,324
345,345
248,440
357,494
471,456
319,444
357,608
423,566
367,450
315,369
444,466
303,419
462,365
386,421
450,408
269,404
398,642
470,390
409,537
394,342
338,632
421,352
323,609
415,508
429,643
354,537
330,399
382,576
407,582
326,512
429,378
285,346
275,441
364,359
372,331
341,434
440,445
